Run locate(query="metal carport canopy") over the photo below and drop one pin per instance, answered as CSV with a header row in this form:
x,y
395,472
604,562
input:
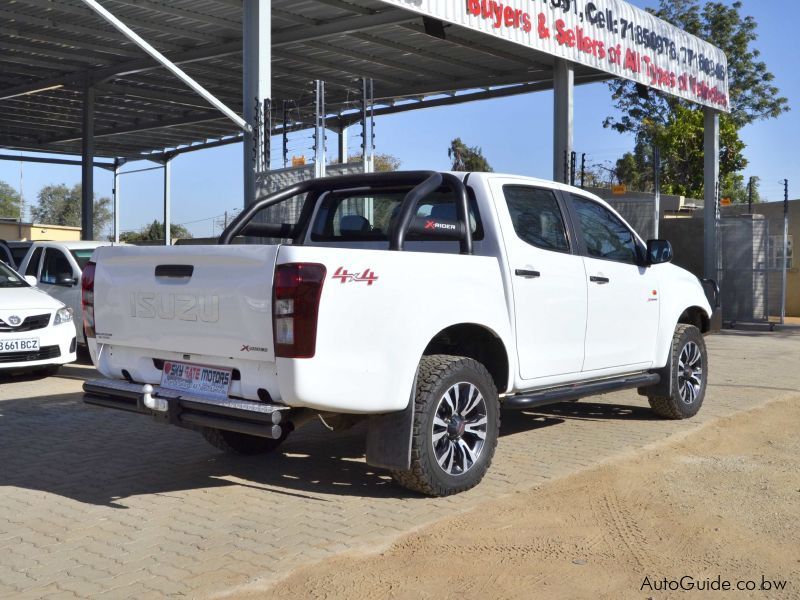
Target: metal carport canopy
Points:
x,y
52,48
71,83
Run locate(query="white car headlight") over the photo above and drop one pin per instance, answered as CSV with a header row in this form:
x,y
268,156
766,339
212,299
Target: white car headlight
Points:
x,y
64,315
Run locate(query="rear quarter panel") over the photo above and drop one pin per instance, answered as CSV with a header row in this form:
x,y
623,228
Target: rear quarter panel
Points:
x,y
370,337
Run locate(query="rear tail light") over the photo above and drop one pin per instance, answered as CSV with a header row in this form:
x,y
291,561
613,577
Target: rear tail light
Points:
x,y
87,300
295,307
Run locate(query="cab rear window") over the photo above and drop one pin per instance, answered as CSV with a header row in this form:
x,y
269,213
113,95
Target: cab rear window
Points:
x,y
354,217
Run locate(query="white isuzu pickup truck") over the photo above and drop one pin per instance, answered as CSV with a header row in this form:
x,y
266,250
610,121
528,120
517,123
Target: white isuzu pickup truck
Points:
x,y
421,302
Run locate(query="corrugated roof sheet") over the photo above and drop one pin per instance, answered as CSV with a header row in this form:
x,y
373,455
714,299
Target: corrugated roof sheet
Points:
x,y
50,48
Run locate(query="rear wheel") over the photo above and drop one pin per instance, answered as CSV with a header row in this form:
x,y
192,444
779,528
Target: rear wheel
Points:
x,y
456,425
689,375
233,442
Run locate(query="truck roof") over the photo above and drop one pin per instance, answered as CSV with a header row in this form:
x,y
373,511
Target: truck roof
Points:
x,y
75,245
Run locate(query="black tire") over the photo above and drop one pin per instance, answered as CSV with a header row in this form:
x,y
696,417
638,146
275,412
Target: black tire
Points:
x,y
438,375
241,443
689,375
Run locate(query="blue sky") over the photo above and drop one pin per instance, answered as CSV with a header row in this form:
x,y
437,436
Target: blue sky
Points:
x,y
515,134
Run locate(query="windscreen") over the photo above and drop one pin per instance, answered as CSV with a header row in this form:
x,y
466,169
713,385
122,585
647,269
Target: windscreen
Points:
x,y
356,217
10,279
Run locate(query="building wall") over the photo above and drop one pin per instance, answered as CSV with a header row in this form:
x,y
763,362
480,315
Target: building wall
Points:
x,y
33,232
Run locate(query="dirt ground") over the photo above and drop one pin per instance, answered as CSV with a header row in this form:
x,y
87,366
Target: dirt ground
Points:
x,y
723,502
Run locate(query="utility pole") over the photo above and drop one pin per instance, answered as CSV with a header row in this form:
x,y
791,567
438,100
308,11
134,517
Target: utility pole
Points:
x,y
573,167
583,169
750,187
784,265
656,189
21,197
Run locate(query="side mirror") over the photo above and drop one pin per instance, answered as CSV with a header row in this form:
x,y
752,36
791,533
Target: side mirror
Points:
x,y
658,252
66,280
31,280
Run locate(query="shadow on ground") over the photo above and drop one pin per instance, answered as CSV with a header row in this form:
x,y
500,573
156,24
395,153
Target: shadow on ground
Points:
x,y
98,456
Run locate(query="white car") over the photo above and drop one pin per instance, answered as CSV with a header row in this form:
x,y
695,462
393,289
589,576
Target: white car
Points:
x,y
58,266
420,302
36,331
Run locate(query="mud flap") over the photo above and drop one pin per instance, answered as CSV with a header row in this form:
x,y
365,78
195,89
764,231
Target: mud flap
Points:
x,y
664,387
389,438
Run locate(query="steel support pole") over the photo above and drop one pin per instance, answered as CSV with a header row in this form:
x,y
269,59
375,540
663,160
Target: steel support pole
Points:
x,y
257,78
367,125
657,190
711,192
563,93
342,143
319,135
167,203
87,164
165,62
117,180
785,253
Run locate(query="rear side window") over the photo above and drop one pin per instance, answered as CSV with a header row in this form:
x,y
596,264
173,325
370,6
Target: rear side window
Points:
x,y
537,217
353,218
55,266
82,256
33,265
605,235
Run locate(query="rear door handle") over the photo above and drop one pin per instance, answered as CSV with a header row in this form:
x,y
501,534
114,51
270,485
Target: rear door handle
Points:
x,y
527,274
600,280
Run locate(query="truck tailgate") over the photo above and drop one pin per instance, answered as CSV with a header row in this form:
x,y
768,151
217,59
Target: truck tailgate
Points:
x,y
210,300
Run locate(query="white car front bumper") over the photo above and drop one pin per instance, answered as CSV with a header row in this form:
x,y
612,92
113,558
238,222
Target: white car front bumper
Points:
x,y
57,346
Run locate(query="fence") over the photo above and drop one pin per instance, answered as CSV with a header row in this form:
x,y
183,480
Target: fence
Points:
x,y
754,243
759,281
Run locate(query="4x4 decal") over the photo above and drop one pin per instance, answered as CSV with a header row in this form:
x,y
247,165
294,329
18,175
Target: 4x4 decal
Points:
x,y
343,275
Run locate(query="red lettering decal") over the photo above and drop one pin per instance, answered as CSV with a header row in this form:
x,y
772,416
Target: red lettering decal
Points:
x,y
497,11
526,23
564,36
544,31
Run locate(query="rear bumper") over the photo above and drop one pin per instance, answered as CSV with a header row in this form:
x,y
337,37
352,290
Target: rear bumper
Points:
x,y
192,412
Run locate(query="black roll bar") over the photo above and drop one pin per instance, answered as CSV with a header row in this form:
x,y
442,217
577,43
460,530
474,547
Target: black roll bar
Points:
x,y
425,182
408,209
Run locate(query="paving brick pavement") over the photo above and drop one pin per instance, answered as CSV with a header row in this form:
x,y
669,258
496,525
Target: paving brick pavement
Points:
x,y
105,504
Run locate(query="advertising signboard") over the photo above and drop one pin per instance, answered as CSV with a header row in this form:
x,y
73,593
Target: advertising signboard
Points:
x,y
609,35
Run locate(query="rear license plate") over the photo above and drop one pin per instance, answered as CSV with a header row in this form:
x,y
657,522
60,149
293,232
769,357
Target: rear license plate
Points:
x,y
29,345
196,379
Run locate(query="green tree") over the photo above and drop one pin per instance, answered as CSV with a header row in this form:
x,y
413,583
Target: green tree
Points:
x,y
677,125
61,205
9,201
383,163
155,232
467,158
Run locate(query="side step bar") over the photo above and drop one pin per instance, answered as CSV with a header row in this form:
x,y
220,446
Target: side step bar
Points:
x,y
242,416
579,390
